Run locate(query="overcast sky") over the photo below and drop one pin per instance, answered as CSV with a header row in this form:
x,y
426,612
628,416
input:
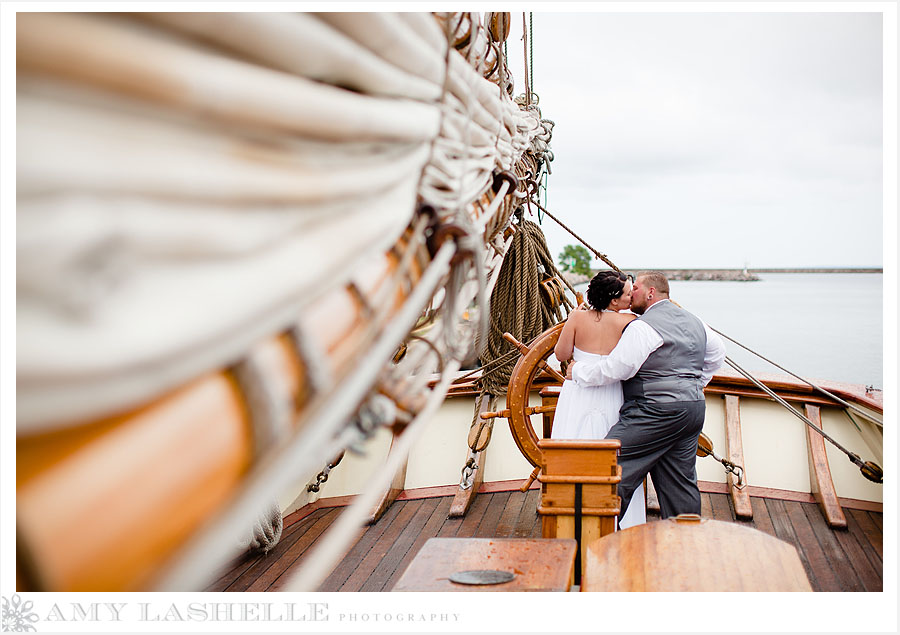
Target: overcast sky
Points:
x,y
713,139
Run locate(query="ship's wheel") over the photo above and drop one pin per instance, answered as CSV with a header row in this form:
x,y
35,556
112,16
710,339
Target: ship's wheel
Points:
x,y
521,383
530,365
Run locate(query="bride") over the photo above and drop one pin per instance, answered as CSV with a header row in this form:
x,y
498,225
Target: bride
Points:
x,y
589,334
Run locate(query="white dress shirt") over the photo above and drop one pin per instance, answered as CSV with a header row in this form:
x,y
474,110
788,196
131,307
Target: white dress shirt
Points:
x,y
638,341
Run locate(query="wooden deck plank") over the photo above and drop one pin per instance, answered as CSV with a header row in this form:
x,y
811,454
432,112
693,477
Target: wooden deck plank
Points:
x,y
511,511
761,519
247,560
847,560
705,505
358,551
721,507
537,527
261,563
434,523
870,575
528,516
397,551
784,530
871,532
381,547
274,577
475,515
450,526
232,572
815,555
859,535
844,572
242,564
488,526
877,520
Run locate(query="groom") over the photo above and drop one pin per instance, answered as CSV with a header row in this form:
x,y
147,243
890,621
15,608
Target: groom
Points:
x,y
664,360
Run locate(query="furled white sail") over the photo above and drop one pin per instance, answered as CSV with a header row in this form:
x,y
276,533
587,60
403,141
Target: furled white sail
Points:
x,y
190,183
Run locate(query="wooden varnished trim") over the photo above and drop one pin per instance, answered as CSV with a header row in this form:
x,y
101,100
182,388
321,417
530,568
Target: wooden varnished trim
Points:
x,y
786,386
754,393
594,444
547,478
734,449
463,498
393,490
797,390
820,480
585,511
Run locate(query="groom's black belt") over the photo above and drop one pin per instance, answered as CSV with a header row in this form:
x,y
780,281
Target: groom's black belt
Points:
x,y
663,390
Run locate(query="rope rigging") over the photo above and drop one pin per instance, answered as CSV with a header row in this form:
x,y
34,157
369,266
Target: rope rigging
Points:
x,y
530,49
525,54
846,404
600,256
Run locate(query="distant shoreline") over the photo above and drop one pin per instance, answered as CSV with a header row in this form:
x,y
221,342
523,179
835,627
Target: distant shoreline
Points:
x,y
772,270
823,270
732,274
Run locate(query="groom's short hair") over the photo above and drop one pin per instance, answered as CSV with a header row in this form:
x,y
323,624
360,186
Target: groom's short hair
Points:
x,y
656,279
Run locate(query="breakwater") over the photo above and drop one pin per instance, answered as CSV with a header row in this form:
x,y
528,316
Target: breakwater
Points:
x,y
740,275
732,275
680,274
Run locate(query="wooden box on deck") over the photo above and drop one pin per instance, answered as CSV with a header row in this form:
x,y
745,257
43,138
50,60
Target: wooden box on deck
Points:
x,y
593,464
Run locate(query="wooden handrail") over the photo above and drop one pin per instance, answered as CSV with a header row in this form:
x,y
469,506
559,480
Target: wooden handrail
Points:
x,y
726,384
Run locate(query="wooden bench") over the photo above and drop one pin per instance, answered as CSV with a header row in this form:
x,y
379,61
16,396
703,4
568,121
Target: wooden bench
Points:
x,y
538,565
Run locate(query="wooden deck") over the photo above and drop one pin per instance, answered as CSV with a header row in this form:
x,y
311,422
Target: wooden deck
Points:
x,y
835,560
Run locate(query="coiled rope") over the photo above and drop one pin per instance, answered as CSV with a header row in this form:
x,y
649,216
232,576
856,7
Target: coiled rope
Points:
x,y
527,263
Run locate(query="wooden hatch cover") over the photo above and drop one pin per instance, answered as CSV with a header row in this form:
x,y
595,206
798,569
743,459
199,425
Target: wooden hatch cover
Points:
x,y
688,553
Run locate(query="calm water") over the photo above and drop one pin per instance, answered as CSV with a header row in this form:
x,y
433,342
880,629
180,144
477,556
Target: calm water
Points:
x,y
818,325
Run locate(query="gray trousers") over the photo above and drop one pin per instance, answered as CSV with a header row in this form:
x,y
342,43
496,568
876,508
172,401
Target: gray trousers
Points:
x,y
660,439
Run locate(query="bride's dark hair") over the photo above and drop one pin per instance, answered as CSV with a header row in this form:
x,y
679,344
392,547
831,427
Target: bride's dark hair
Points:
x,y
605,286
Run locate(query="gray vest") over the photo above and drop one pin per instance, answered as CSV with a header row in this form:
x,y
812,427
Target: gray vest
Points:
x,y
671,372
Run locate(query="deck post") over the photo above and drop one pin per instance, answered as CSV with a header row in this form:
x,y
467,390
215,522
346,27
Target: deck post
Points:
x,y
393,491
734,449
820,481
464,498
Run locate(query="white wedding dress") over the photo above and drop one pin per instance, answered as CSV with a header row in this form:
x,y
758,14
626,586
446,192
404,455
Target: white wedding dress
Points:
x,y
588,413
